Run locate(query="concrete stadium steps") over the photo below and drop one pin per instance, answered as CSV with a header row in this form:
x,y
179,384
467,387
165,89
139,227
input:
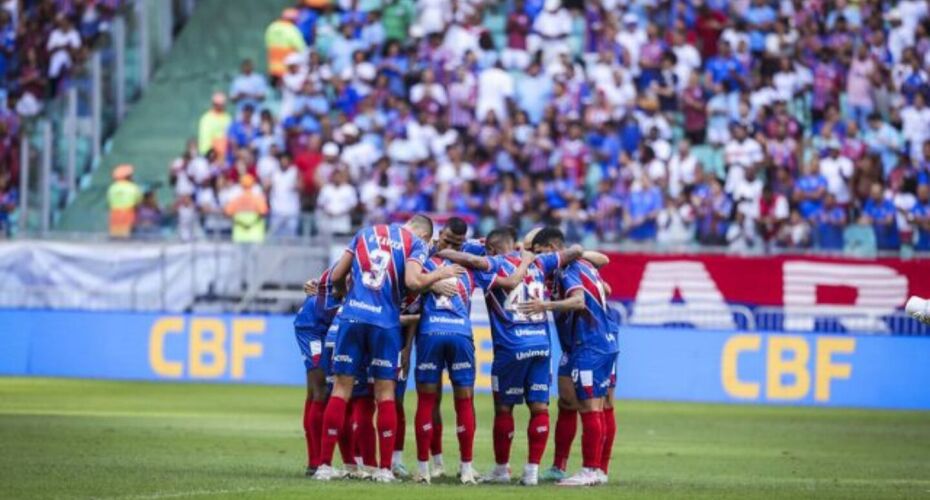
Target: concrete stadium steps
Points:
x,y
204,58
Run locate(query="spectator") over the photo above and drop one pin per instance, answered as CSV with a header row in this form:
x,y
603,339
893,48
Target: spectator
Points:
x,y
123,197
188,219
796,233
284,199
248,88
810,191
859,238
829,220
282,38
336,203
148,216
920,216
248,209
9,198
773,214
838,171
882,213
642,209
62,44
741,234
213,126
675,223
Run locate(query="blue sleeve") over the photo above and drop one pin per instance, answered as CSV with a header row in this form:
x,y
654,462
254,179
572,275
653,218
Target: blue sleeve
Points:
x,y
485,279
474,247
354,243
548,262
570,280
419,251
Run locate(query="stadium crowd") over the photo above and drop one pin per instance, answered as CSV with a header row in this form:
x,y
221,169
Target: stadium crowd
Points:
x,y
750,123
41,43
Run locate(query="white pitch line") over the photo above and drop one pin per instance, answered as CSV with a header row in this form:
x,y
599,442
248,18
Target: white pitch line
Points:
x,y
192,493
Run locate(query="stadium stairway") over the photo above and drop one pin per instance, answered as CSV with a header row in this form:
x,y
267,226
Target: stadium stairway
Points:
x,y
204,59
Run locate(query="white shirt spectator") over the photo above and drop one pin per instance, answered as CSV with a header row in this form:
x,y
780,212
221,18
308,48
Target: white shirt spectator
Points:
x,y
747,194
436,91
837,171
359,157
915,126
681,170
248,88
440,142
434,15
460,39
337,202
494,86
284,197
292,83
632,40
266,167
448,173
60,44
740,155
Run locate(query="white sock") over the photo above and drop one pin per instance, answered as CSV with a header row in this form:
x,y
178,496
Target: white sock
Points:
x,y
397,457
502,467
531,470
423,468
465,467
437,459
359,462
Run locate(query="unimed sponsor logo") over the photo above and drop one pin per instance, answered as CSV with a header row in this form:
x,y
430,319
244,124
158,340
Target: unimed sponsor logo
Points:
x,y
342,358
426,366
446,321
530,332
535,353
381,362
365,306
514,391
539,387
461,366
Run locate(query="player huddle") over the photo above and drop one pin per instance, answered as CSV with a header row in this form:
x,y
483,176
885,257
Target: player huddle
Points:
x,y
393,291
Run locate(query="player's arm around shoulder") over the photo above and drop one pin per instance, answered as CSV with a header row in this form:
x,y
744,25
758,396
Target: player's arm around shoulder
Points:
x,y
515,278
570,254
597,259
574,302
419,281
464,259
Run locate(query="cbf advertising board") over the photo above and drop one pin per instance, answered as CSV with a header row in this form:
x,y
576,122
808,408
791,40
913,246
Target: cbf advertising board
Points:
x,y
655,363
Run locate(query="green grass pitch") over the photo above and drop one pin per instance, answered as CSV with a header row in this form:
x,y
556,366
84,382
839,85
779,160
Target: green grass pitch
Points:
x,y
127,440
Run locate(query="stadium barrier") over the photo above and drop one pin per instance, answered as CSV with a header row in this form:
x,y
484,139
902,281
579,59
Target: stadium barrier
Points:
x,y
655,363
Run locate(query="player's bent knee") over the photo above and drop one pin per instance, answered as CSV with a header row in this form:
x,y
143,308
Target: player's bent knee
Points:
x,y
502,409
569,403
539,407
384,390
463,392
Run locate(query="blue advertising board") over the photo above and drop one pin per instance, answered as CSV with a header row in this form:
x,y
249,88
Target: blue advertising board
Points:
x,y
655,363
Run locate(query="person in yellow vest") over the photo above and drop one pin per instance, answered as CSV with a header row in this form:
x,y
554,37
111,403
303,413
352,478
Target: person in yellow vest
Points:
x,y
211,133
247,210
282,38
123,197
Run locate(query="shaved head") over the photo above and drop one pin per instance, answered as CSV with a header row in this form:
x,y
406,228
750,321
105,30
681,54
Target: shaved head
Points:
x,y
421,225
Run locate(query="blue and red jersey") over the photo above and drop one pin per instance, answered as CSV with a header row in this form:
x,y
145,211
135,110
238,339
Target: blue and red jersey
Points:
x,y
381,253
318,311
595,327
512,330
448,314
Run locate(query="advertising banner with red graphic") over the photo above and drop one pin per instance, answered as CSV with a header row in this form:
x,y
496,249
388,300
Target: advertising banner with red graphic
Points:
x,y
805,286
